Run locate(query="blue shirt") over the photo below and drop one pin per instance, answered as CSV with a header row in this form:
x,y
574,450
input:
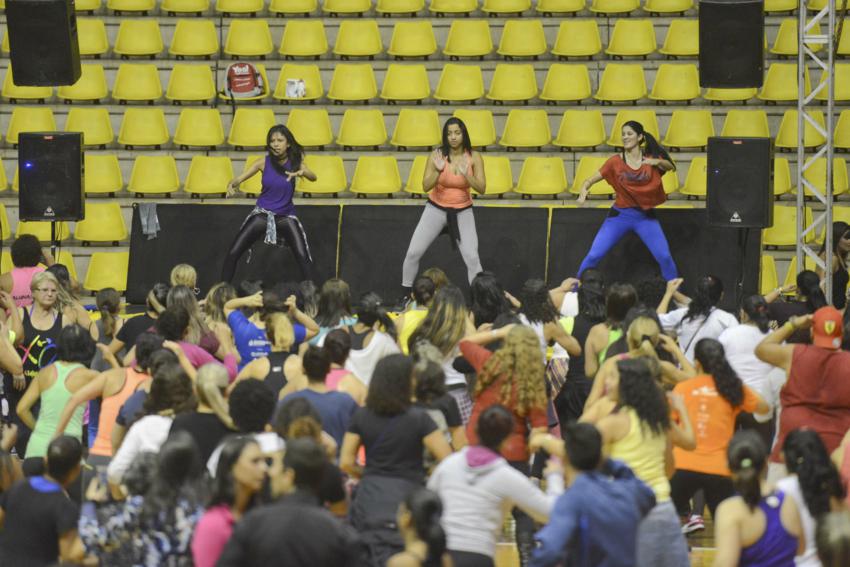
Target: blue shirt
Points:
x,y
595,521
251,341
335,408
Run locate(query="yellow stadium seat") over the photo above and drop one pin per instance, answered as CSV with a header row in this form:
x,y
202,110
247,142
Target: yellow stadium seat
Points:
x,y
15,93
248,38
330,174
689,129
346,6
780,5
199,127
841,137
67,259
468,38
675,82
841,84
376,175
413,39
786,137
353,82
769,280
103,223
816,175
254,184
780,83
91,33
190,83
729,95
787,39
208,175
621,82
631,38
239,6
138,38
442,7
313,89
304,38
587,166
143,127
102,174
479,125
512,83
781,176
581,129
417,128
552,7
497,170
154,175
682,39
667,6
41,230
29,119
358,38
670,183
4,182
362,128
614,6
137,83
577,38
522,38
505,6
91,86
417,172
311,127
5,44
266,87
784,229
751,123
566,83
542,176
120,6
460,83
86,5
250,127
844,43
6,234
647,119
526,129
405,83
695,181
94,123
303,7
194,38
175,7
405,7
107,269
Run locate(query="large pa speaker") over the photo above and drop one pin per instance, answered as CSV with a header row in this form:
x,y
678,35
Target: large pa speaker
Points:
x,y
43,41
50,170
731,43
738,182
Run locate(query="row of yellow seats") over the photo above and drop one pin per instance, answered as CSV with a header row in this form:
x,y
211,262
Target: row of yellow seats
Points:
x,y
106,269
103,224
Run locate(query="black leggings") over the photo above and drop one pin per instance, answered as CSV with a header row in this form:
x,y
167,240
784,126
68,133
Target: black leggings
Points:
x,y
685,484
289,230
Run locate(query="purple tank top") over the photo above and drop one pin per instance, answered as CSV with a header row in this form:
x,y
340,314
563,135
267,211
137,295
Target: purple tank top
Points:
x,y
776,547
277,192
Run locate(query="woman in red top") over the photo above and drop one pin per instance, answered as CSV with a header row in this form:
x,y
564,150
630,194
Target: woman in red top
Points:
x,y
635,176
451,172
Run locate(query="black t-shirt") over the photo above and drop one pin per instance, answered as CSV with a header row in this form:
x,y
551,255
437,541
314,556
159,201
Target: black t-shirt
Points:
x,y
205,428
393,444
781,311
134,327
37,513
332,489
448,407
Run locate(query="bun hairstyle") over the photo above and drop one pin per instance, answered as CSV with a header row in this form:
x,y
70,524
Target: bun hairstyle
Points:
x,y
708,293
371,310
712,358
806,456
642,336
158,297
426,509
755,307
651,146
108,304
747,459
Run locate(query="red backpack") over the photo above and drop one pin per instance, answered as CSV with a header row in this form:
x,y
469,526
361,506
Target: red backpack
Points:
x,y
244,81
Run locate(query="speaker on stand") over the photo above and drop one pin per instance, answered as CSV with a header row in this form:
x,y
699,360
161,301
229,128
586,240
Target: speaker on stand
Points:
x,y
43,42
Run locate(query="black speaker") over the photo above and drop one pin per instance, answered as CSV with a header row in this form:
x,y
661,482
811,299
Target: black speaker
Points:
x,y
50,176
45,50
738,182
731,43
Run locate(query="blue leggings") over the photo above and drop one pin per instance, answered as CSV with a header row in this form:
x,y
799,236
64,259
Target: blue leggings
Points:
x,y
620,223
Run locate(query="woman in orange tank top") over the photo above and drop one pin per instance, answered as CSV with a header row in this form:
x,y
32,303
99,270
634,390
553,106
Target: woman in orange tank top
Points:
x,y
453,170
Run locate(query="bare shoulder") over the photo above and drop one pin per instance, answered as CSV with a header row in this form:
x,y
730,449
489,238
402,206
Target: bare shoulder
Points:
x,y
403,559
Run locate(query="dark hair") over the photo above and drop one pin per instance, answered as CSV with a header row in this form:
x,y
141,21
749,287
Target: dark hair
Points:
x,y
592,276
316,363
157,297
712,357
75,345
274,301
294,151
747,458
63,276
650,291
26,251
591,301
307,459
808,285
146,344
640,391
755,307
310,294
620,298
371,310
140,473
108,302
494,425
430,381
426,509
171,389
251,405
839,229
291,412
583,444
465,144
161,357
63,457
172,323
708,293
806,456
653,148
337,345
488,299
334,303
224,485
832,536
179,476
389,389
536,303
423,290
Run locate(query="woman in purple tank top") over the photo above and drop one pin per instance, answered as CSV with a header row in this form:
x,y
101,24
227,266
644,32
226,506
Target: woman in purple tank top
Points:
x,y
273,219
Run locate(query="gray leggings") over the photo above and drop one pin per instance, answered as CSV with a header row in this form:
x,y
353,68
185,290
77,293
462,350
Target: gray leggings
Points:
x,y
431,224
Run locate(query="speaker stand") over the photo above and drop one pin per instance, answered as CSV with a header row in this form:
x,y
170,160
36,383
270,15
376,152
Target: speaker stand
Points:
x,y
743,238
53,242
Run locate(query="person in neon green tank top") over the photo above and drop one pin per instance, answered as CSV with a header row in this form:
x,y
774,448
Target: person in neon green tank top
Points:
x,y
619,299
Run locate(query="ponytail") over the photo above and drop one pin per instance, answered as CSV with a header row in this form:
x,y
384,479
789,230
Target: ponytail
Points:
x,y
747,458
108,303
279,330
755,307
426,509
371,311
710,354
708,293
642,335
652,146
806,456
808,285
212,380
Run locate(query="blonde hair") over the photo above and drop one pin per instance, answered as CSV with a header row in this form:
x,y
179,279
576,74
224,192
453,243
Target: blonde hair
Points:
x,y
520,365
642,337
184,274
212,380
217,296
63,298
279,330
445,323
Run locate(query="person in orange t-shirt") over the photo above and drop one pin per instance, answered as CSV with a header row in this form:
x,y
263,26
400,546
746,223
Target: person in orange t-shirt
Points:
x,y
635,175
713,398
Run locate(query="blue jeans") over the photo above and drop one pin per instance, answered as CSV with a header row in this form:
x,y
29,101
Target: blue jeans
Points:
x,y
619,223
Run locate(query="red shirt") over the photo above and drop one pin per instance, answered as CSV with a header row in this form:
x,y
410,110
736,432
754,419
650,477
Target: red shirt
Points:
x,y
516,446
639,187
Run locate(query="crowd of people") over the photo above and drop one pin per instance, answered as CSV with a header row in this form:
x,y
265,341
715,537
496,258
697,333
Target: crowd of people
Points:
x,y
600,421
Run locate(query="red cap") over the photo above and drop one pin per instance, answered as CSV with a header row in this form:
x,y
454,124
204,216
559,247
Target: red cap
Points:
x,y
827,328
